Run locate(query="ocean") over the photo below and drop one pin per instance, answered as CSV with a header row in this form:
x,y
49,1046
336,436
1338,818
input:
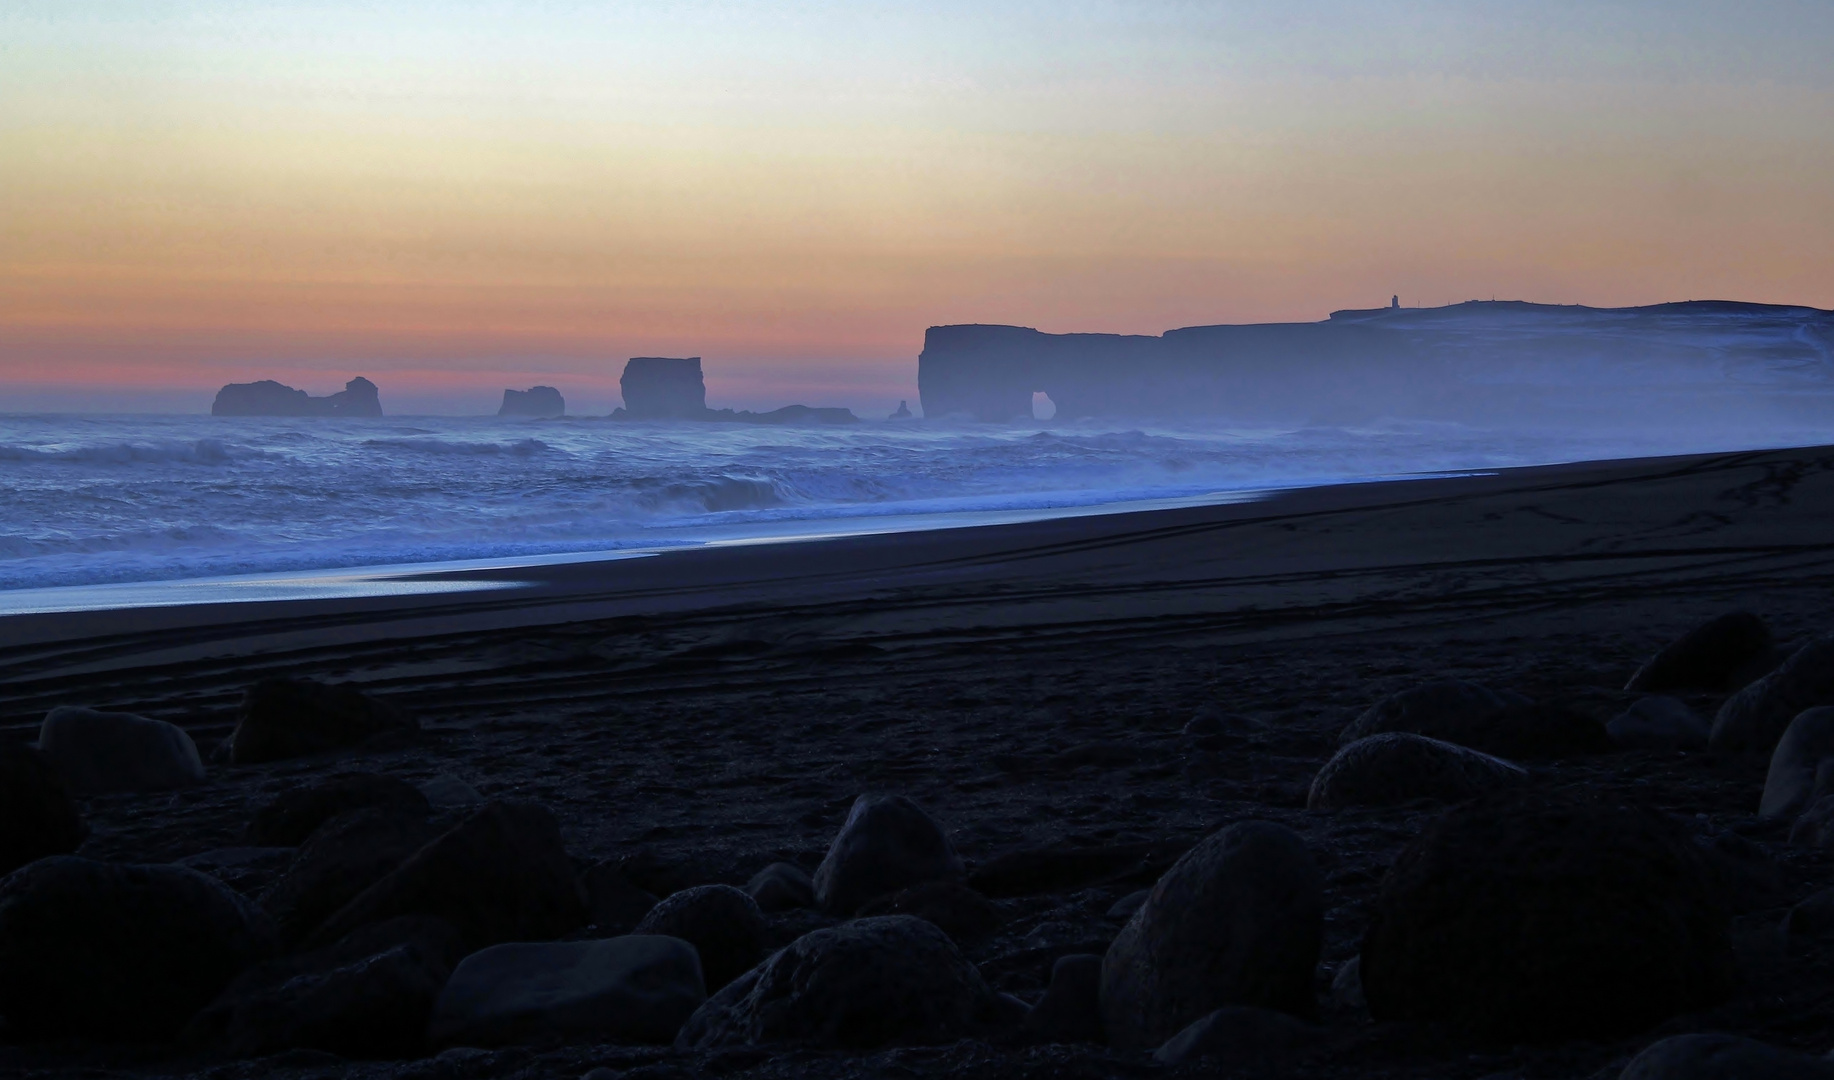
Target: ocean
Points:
x,y
98,500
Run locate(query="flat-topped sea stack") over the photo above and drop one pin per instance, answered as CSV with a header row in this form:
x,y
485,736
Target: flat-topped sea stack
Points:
x,y
269,398
672,388
1478,361
542,402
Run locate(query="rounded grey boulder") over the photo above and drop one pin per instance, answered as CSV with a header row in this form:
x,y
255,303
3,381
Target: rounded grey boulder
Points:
x,y
1657,722
722,923
887,843
1383,770
632,989
1236,921
114,952
98,751
1239,1037
890,980
1071,1009
781,886
1753,719
1720,654
1722,1057
1789,786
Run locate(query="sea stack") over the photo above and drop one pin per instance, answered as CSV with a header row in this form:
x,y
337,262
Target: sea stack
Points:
x,y
537,401
664,388
269,398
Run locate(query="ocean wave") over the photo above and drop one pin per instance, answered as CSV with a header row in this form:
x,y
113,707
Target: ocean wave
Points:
x,y
518,448
199,452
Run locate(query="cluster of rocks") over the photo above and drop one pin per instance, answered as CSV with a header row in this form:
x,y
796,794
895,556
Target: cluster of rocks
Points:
x,y
400,919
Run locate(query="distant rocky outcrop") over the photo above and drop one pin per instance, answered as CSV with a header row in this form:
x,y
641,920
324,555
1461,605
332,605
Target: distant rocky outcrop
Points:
x,y
538,401
1471,361
672,388
269,398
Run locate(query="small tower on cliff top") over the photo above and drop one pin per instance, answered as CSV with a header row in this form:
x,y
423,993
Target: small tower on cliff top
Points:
x,y
1394,302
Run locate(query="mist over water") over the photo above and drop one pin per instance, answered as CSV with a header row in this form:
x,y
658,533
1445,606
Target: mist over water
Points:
x,y
93,499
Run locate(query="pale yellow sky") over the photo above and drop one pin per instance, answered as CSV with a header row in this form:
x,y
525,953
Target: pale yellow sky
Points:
x,y
453,198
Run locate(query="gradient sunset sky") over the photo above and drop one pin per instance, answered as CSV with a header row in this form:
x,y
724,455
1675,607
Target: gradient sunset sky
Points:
x,y
453,198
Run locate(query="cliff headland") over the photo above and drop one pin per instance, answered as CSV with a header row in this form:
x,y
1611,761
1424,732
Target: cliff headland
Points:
x,y
1481,360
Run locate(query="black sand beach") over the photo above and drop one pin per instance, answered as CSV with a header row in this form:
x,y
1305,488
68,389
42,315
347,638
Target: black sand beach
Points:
x,y
704,713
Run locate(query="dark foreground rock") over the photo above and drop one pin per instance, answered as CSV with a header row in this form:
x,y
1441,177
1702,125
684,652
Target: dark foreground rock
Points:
x,y
781,886
1521,919
1789,786
1071,1009
367,996
345,856
1237,921
1239,1037
1723,1057
638,988
292,816
958,910
500,875
722,923
98,751
287,718
112,952
1658,722
887,843
37,817
1752,720
891,980
1720,655
1383,770
1465,713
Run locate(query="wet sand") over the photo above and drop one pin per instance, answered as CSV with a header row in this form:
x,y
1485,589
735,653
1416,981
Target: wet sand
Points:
x,y
720,708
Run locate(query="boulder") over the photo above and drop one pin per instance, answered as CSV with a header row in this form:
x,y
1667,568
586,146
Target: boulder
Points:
x,y
99,751
292,816
1657,722
369,996
247,870
1448,709
1815,828
502,874
37,817
960,912
1347,985
1720,655
536,401
1237,921
347,855
638,988
722,923
1747,877
449,792
890,980
781,886
1071,1009
1239,1037
112,952
1723,1057
1383,770
614,905
1789,787
887,843
1752,720
287,718
1523,919
1813,917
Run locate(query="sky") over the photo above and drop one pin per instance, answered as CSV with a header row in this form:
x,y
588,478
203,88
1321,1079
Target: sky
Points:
x,y
456,197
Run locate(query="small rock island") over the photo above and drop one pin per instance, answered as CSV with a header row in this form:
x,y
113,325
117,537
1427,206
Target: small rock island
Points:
x,y
673,388
269,398
543,402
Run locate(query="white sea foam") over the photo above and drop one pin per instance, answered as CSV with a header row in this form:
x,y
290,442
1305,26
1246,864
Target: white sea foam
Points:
x,y
91,499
